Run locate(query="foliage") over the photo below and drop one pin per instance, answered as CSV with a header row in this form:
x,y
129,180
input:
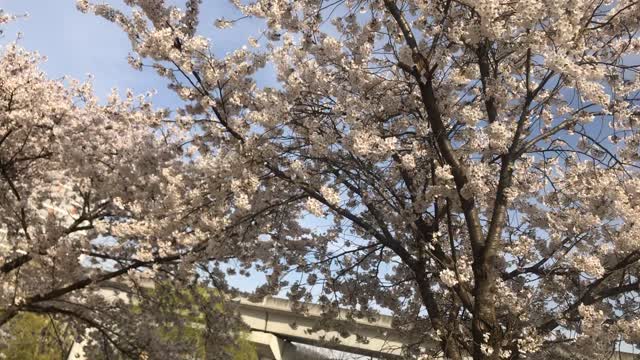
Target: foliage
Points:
x,y
35,337
192,315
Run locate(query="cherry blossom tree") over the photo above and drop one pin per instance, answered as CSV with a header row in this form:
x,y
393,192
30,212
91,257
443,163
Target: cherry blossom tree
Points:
x,y
474,164
95,193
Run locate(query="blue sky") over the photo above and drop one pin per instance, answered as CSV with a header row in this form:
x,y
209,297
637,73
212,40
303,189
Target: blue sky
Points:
x,y
78,44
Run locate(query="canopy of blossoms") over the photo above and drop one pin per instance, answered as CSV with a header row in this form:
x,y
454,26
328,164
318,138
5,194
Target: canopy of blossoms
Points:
x,y
473,165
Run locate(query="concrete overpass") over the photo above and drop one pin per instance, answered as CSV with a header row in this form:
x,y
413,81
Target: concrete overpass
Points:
x,y
274,326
